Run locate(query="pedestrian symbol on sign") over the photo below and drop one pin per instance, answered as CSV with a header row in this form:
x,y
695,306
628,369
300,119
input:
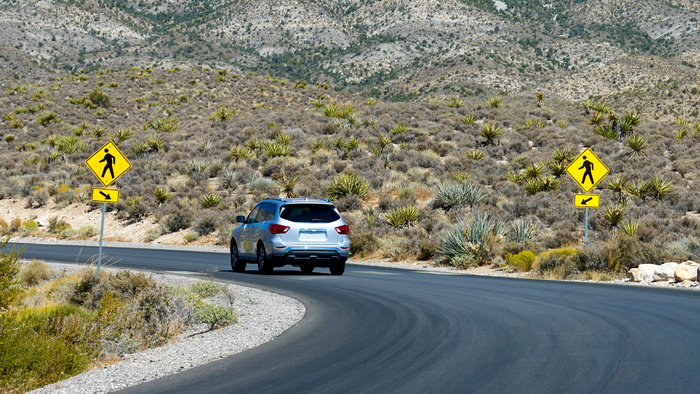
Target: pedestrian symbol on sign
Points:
x,y
588,165
110,159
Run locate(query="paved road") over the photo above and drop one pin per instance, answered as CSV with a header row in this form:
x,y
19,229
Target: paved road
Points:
x,y
385,330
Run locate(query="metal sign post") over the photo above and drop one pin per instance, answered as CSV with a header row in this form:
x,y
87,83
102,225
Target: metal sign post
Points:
x,y
102,233
585,237
108,164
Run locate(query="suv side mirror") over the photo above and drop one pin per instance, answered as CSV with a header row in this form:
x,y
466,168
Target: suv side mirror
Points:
x,y
240,219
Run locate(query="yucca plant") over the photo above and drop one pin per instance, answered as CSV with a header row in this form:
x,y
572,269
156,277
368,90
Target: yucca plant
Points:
x,y
254,145
455,102
449,195
331,110
475,154
557,169
210,200
607,132
347,184
70,144
520,232
338,143
533,170
563,155
659,187
318,103
383,141
491,132
680,134
371,101
275,149
319,144
352,144
601,107
283,138
470,241
637,143
47,118
162,195
586,106
223,114
618,185
562,123
468,119
120,135
514,176
628,122
613,215
631,227
539,97
153,143
398,129
227,179
597,118
287,185
495,102
238,152
639,189
402,216
354,121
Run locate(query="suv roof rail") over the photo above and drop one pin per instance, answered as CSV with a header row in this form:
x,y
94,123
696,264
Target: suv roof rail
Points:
x,y
274,198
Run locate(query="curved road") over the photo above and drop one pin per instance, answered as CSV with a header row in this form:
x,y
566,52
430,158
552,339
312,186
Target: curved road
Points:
x,y
386,330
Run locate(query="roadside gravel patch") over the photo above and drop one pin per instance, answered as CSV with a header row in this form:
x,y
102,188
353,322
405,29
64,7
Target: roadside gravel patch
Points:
x,y
262,316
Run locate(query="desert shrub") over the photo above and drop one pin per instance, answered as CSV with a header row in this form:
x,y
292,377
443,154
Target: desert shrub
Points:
x,y
205,289
521,261
427,249
348,203
206,225
396,248
470,241
558,263
178,220
9,268
215,316
363,244
35,272
191,236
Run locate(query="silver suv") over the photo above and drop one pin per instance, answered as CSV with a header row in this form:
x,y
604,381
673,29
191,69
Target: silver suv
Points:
x,y
303,232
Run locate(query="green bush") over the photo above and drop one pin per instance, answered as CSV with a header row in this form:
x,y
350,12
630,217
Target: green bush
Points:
x,y
205,289
35,272
215,316
522,261
9,268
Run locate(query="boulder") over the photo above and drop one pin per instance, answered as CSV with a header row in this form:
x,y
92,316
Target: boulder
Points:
x,y
646,272
687,270
664,272
634,275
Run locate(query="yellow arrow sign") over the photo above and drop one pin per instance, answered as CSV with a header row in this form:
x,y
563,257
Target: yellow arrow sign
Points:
x,y
587,170
105,195
108,163
587,200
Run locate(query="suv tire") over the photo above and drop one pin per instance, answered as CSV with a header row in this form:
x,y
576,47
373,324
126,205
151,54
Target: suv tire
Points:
x,y
264,266
337,268
237,265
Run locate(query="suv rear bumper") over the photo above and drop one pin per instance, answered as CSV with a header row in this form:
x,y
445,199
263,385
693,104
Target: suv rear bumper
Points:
x,y
316,257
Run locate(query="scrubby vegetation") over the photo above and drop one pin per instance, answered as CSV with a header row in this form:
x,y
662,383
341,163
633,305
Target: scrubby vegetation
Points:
x,y
55,325
412,179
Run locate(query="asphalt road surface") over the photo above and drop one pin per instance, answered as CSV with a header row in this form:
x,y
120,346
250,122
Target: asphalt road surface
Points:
x,y
380,330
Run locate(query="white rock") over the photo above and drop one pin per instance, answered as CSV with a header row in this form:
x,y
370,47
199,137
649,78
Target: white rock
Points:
x,y
634,275
646,272
687,270
664,272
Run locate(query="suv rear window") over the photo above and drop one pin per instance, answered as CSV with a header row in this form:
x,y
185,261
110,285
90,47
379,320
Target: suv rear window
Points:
x,y
308,213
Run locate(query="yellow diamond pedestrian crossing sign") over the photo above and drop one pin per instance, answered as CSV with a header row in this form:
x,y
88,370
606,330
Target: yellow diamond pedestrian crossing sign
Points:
x,y
587,170
108,163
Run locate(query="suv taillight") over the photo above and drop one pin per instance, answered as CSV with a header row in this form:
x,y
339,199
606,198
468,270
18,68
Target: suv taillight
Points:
x,y
344,229
278,229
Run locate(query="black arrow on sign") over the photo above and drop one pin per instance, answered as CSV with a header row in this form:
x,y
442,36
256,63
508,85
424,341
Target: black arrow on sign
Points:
x,y
107,197
583,202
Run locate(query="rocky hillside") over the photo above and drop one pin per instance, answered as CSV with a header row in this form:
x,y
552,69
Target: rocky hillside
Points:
x,y
643,52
